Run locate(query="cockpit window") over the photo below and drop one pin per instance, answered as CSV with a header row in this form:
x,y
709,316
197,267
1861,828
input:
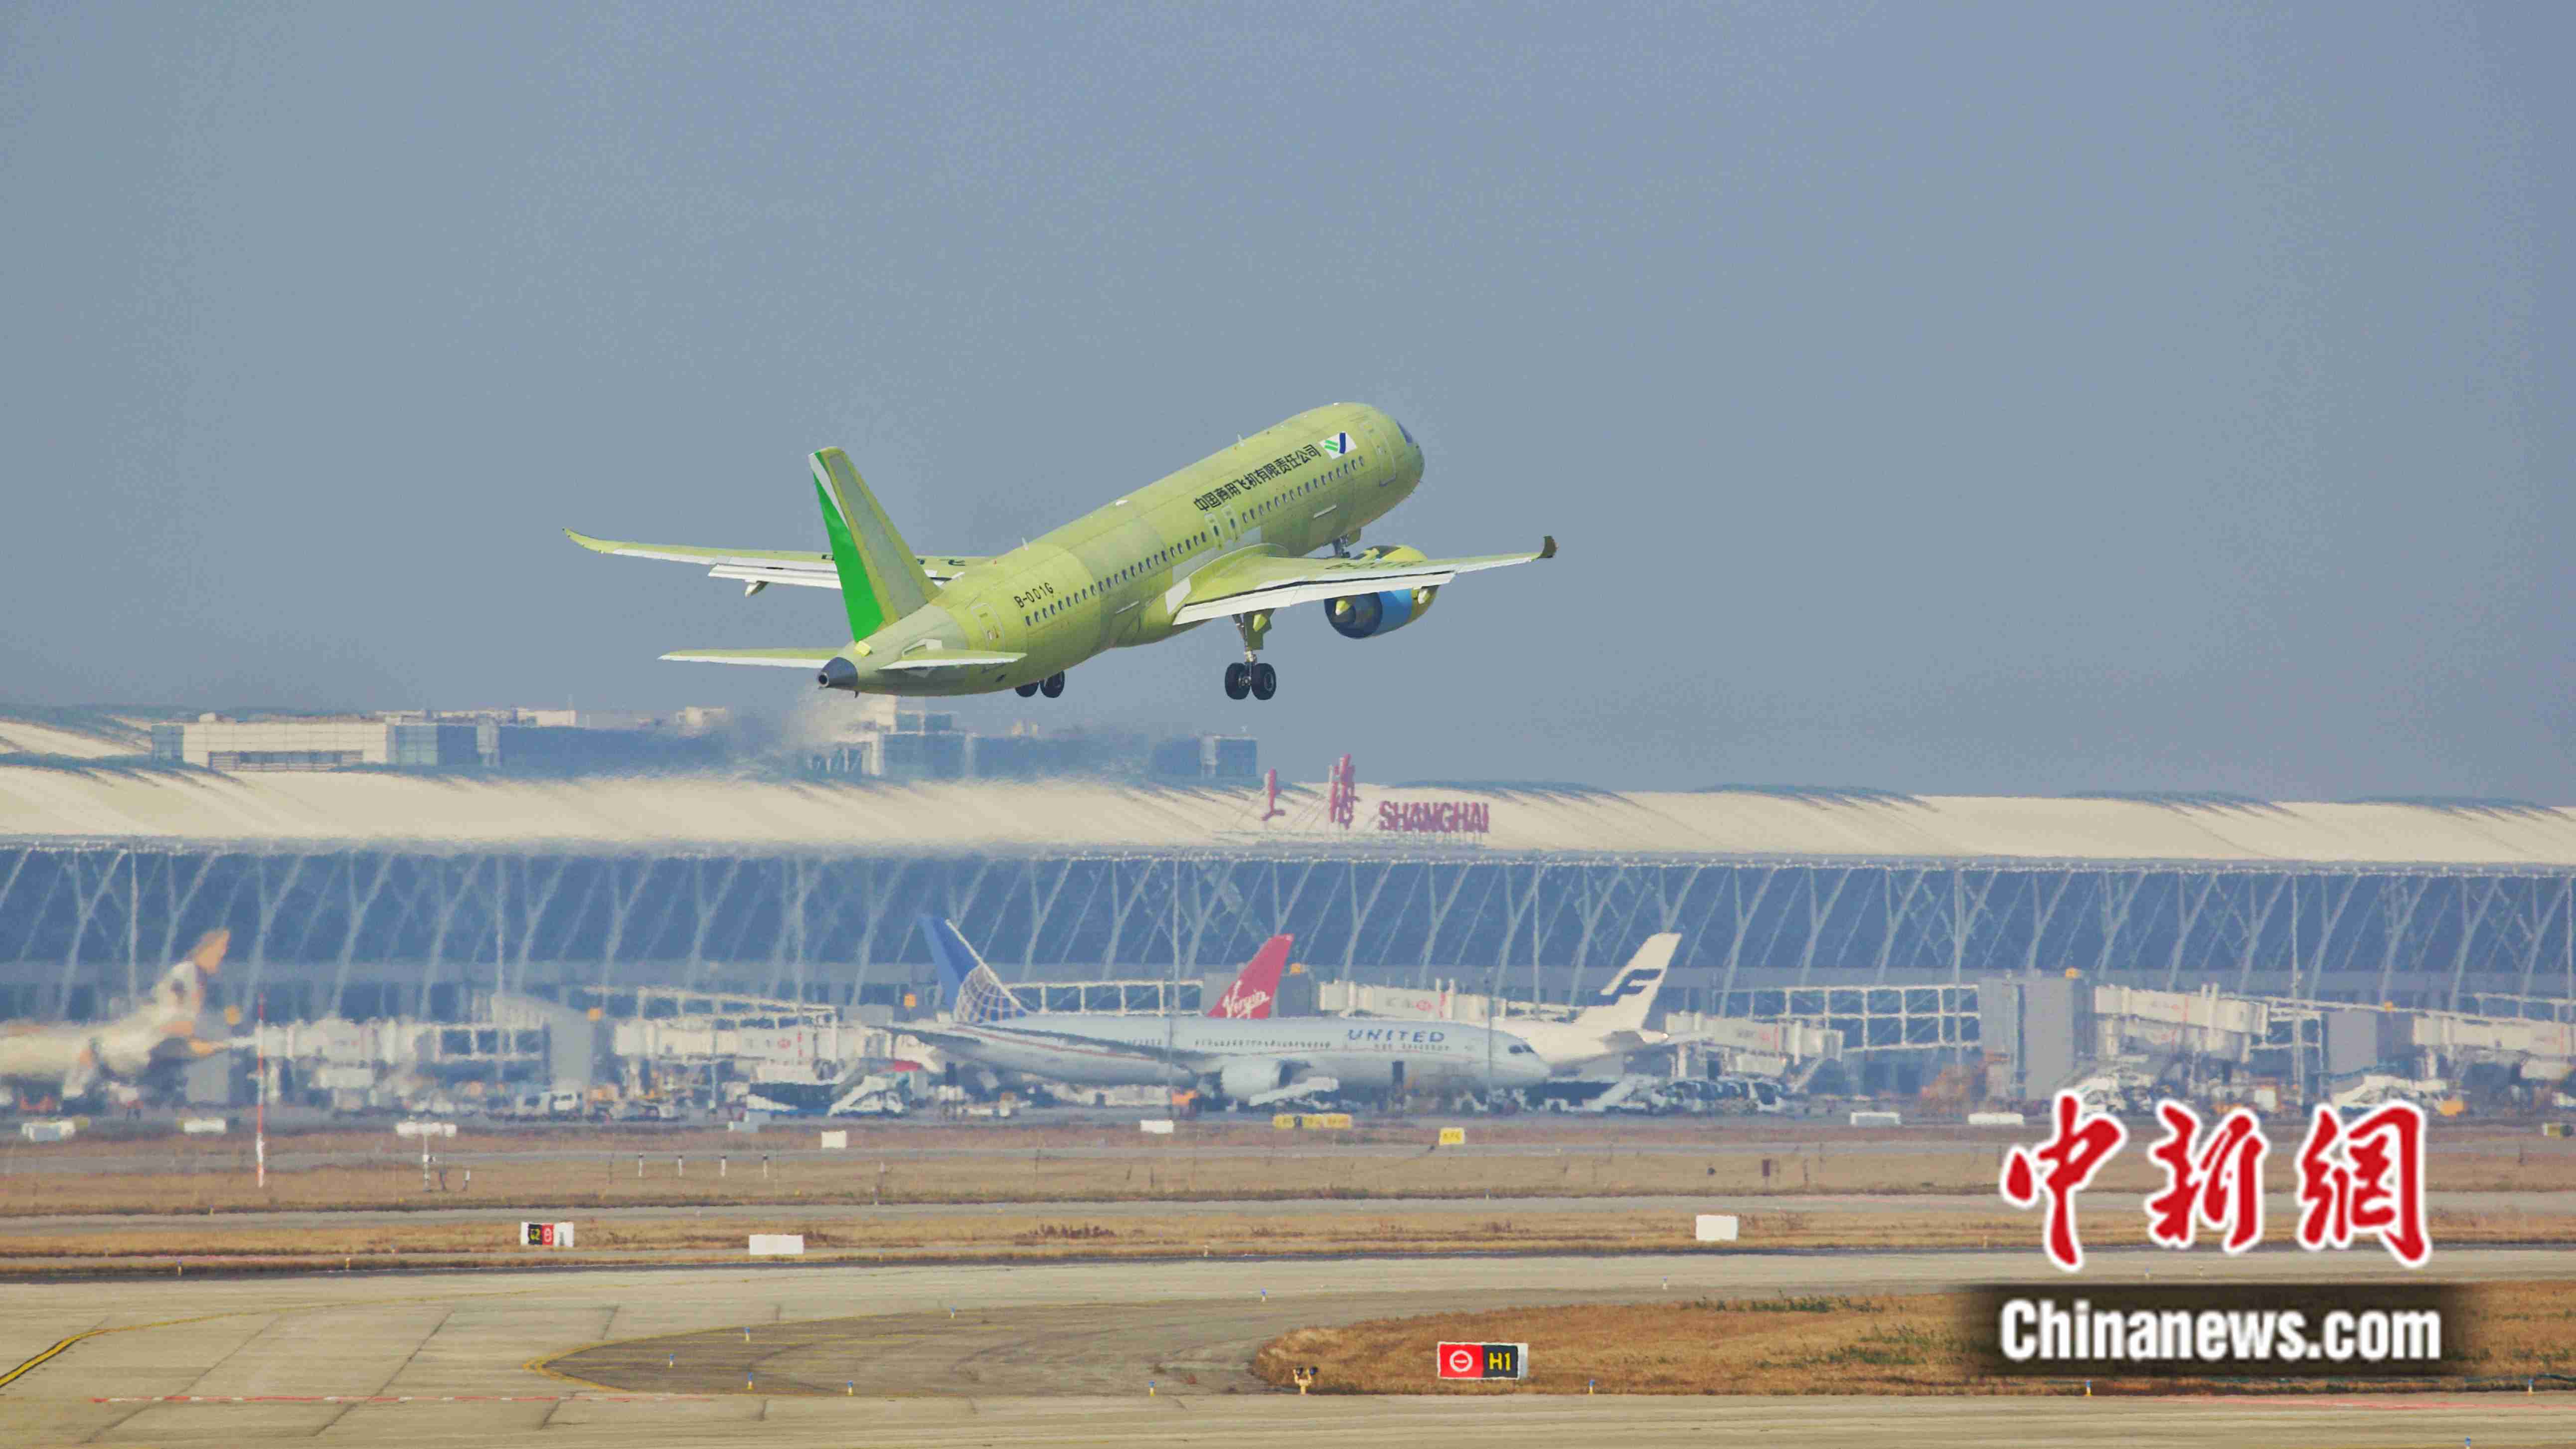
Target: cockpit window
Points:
x,y
1520,1051
1408,435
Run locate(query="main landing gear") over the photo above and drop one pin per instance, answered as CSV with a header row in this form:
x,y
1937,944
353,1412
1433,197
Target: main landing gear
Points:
x,y
1256,679
1053,685
1251,677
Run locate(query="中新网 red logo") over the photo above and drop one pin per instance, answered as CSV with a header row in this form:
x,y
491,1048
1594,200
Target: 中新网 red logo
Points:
x,y
2363,1178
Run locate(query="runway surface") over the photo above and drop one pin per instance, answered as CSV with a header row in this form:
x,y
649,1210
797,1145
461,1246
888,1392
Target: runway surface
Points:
x,y
1056,1354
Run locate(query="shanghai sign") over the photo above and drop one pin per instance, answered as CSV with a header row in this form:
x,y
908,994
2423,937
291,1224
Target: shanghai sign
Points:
x,y
1436,817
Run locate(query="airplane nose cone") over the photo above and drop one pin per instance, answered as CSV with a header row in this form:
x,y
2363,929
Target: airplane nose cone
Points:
x,y
837,673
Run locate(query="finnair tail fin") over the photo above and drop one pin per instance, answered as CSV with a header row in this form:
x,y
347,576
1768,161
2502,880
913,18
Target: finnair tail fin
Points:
x,y
1251,995
1622,1005
881,579
974,992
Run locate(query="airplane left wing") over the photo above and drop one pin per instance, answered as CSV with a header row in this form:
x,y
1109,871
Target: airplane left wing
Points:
x,y
816,658
758,568
1250,582
1183,1059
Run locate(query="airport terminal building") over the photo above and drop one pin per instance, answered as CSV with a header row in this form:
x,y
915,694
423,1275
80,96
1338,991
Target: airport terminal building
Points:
x,y
381,894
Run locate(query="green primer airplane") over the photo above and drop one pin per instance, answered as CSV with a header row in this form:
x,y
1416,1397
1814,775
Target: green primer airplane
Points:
x,y
1225,537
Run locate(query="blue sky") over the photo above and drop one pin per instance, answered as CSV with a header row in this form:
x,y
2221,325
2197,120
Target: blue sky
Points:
x,y
1960,398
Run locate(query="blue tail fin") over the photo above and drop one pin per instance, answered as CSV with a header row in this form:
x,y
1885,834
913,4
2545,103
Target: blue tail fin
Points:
x,y
955,959
974,993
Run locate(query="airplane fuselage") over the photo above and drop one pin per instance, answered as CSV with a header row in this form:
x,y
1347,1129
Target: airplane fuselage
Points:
x,y
69,1057
1370,1054
1115,577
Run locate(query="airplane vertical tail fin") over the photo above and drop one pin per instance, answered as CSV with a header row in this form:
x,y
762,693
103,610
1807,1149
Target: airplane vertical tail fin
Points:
x,y
1622,1005
1253,992
974,992
181,993
881,580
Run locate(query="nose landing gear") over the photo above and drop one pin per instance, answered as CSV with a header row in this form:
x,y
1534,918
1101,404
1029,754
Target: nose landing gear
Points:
x,y
1251,677
1053,685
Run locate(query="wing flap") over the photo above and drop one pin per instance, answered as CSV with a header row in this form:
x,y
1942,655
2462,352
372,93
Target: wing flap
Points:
x,y
1183,1058
764,574
1260,582
764,565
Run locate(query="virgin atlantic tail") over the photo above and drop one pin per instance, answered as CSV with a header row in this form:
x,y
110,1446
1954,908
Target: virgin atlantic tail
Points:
x,y
1249,998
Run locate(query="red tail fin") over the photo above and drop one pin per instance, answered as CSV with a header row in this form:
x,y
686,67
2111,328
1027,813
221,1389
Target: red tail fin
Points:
x,y
1249,998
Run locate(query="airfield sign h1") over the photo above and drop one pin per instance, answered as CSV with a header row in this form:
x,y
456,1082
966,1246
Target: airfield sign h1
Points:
x,y
1484,1360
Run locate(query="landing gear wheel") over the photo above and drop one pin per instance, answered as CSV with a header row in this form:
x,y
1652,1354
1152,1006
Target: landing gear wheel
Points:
x,y
1025,691
1053,684
1265,681
1238,680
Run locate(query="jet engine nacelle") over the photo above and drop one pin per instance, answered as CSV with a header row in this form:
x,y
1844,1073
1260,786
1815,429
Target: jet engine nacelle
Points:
x,y
1238,1080
1365,616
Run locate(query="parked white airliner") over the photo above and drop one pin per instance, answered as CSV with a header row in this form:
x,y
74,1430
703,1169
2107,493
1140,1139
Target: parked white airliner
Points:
x,y
1613,1023
1249,1063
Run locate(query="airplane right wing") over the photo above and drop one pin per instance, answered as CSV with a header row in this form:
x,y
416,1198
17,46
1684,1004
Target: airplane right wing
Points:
x,y
1251,582
758,568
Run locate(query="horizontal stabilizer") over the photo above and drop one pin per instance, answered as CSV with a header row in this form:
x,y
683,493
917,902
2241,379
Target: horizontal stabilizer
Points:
x,y
814,658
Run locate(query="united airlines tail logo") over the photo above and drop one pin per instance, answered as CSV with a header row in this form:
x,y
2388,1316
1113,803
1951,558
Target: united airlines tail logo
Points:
x,y
1337,445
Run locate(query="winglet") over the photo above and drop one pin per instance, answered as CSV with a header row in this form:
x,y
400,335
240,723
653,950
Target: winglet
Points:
x,y
881,579
1547,546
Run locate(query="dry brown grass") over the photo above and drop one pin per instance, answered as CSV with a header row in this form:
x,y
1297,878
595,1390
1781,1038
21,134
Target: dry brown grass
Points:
x,y
244,1242
597,1167
1913,1344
